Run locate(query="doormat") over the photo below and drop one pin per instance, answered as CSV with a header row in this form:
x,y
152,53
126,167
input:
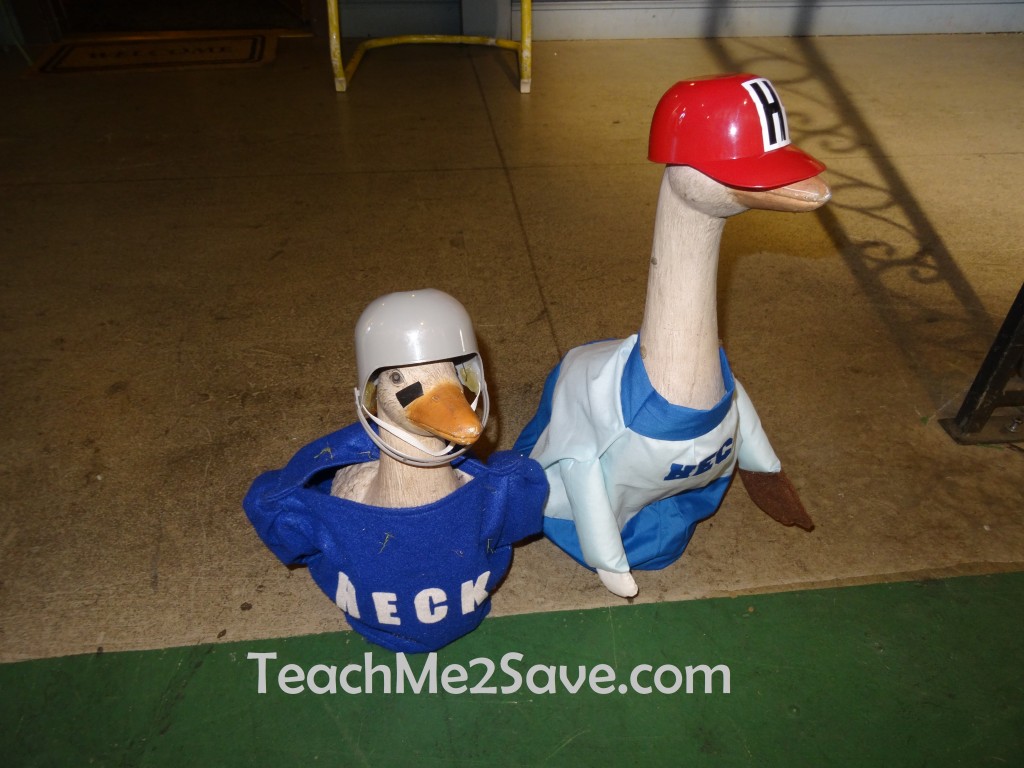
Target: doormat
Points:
x,y
161,51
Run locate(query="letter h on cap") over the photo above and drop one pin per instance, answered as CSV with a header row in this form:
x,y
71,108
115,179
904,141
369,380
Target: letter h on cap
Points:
x,y
774,129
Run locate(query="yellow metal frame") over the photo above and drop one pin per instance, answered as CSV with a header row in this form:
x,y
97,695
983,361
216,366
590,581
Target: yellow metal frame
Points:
x,y
343,73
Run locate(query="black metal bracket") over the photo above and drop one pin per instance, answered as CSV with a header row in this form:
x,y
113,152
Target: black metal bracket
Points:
x,y
993,411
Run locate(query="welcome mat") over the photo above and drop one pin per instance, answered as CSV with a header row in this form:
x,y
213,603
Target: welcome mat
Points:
x,y
164,50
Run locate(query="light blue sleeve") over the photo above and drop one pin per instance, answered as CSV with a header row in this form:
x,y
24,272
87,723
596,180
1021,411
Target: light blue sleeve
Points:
x,y
755,452
600,540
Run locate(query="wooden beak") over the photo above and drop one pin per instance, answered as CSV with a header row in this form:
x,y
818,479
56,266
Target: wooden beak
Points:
x,y
444,411
800,196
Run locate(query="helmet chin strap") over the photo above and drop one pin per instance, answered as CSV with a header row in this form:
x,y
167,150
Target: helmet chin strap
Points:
x,y
439,458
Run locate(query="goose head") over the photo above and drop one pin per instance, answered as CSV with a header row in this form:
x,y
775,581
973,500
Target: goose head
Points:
x,y
427,401
726,142
415,350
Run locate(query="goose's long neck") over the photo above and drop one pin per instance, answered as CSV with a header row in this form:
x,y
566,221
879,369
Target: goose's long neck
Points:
x,y
679,334
397,484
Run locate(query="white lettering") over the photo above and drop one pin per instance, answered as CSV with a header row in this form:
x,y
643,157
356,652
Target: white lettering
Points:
x,y
482,686
708,672
674,671
531,677
506,667
404,672
602,673
345,597
369,669
430,607
634,679
572,687
474,594
384,602
261,681
343,679
422,677
291,673
332,679
452,674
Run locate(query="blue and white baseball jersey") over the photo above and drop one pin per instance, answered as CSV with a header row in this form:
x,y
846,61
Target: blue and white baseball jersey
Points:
x,y
411,579
631,474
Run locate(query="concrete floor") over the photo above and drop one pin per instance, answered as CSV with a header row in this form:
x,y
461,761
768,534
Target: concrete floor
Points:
x,y
185,255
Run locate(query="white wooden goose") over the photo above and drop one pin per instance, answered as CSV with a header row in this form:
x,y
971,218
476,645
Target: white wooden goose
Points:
x,y
422,413
639,438
406,534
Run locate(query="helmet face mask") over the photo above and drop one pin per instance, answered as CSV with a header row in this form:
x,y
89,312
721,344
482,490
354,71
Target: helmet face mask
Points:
x,y
732,128
468,368
415,328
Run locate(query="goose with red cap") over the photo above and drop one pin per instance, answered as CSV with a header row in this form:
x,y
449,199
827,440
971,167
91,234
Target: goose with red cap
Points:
x,y
398,524
640,437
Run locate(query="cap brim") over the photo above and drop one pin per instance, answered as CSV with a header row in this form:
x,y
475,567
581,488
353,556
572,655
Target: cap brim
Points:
x,y
768,171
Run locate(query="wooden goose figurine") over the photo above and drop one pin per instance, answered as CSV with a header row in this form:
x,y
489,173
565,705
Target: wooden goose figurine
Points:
x,y
639,438
405,531
422,413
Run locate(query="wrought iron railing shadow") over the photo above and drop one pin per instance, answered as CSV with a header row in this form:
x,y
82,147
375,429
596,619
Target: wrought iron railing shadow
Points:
x,y
889,244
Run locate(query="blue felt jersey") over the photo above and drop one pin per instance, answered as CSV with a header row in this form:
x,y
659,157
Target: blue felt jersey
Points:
x,y
631,474
411,579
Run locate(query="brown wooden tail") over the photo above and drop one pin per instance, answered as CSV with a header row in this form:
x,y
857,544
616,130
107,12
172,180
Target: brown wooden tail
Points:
x,y
774,493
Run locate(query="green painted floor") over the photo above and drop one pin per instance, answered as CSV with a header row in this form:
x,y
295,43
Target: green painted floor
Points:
x,y
909,674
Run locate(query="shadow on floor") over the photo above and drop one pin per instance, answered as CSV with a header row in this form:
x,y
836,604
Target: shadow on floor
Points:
x,y
903,267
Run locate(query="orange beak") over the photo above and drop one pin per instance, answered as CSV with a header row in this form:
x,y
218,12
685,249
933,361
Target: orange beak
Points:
x,y
444,411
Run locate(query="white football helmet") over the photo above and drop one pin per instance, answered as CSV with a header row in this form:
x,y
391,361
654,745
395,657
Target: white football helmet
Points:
x,y
410,328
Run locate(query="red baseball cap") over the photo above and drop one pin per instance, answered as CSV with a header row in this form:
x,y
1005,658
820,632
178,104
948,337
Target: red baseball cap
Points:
x,y
732,128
